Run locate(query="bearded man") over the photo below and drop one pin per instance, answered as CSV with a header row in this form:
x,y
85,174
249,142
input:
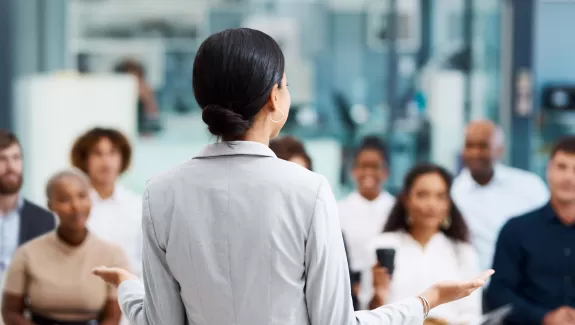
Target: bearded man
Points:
x,y
20,219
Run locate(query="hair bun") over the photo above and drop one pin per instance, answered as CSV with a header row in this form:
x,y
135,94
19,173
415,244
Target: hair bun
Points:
x,y
224,122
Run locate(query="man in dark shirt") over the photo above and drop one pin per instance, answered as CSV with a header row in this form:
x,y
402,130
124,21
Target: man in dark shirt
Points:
x,y
535,253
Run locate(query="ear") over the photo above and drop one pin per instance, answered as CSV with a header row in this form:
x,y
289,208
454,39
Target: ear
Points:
x,y
273,99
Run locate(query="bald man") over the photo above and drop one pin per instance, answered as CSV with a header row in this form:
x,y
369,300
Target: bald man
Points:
x,y
490,193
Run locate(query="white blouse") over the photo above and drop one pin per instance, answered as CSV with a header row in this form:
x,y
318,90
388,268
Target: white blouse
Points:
x,y
417,268
361,222
118,219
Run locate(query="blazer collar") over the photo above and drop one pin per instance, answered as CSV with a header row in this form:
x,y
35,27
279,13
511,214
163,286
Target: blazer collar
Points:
x,y
236,148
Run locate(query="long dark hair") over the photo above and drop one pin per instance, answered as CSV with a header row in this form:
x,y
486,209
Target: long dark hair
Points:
x,y
398,216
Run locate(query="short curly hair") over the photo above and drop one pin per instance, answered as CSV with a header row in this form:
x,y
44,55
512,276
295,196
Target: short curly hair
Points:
x,y
87,141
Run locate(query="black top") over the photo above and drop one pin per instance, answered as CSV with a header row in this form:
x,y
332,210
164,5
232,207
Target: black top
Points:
x,y
534,266
34,221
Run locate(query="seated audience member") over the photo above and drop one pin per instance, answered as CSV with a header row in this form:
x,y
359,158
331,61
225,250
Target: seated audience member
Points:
x,y
431,244
20,219
104,155
50,276
291,149
363,213
490,193
535,252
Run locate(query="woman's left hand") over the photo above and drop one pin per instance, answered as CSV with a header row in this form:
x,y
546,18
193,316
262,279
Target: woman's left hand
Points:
x,y
113,275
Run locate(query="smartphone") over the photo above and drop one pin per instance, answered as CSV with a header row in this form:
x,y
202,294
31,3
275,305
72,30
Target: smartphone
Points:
x,y
386,258
355,277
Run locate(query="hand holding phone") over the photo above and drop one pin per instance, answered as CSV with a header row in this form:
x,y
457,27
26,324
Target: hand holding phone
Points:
x,y
386,259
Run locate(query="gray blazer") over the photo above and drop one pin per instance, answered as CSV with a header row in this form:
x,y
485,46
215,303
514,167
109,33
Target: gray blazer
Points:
x,y
237,236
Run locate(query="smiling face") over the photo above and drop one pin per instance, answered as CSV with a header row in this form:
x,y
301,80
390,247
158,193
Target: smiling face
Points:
x,y
70,201
428,202
369,172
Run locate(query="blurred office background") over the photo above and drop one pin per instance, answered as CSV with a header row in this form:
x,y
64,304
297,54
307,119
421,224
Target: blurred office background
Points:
x,y
413,72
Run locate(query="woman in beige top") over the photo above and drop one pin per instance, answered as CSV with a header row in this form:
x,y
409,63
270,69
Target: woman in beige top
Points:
x,y
50,278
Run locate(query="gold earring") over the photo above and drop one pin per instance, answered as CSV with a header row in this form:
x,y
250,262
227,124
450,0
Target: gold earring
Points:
x,y
446,223
281,118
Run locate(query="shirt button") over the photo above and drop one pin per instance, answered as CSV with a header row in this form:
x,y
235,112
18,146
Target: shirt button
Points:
x,y
567,251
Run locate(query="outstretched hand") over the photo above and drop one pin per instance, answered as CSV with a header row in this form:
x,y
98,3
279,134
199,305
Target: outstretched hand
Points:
x,y
444,292
113,275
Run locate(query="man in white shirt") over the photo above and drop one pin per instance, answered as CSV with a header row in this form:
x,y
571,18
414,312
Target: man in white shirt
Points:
x,y
104,154
489,193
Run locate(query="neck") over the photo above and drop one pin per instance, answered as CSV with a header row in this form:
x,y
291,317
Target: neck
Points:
x,y
105,191
72,237
422,235
370,196
565,211
8,203
256,135
483,178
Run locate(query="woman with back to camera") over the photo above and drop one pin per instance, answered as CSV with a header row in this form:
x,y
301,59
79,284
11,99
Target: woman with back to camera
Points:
x,y
431,243
291,149
237,236
48,276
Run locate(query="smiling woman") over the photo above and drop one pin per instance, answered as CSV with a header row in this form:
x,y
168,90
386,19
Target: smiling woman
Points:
x,y
47,276
431,243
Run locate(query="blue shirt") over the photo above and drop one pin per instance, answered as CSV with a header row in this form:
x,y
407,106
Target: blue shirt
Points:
x,y
534,266
9,233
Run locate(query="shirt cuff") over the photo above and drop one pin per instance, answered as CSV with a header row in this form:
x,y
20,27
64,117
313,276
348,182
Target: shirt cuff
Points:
x,y
129,288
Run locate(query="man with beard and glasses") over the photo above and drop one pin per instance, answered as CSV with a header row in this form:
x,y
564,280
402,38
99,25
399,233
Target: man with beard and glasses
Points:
x,y
534,255
20,220
489,193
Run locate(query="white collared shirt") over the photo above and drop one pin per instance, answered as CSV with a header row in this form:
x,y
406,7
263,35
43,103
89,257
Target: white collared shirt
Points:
x,y
118,219
417,268
511,192
362,221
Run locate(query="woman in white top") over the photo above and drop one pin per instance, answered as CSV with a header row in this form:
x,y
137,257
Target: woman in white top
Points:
x,y
431,243
104,155
364,212
238,236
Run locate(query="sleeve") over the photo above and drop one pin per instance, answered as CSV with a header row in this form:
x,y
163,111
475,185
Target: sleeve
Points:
x,y
158,300
505,282
16,277
327,288
137,262
471,307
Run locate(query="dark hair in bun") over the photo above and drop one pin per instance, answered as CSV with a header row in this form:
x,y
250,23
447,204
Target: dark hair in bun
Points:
x,y
234,73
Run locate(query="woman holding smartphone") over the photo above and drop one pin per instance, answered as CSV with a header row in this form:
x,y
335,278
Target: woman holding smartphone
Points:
x,y
430,240
237,236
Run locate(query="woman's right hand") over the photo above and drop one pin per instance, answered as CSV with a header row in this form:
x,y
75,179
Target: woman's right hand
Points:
x,y
444,292
381,280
